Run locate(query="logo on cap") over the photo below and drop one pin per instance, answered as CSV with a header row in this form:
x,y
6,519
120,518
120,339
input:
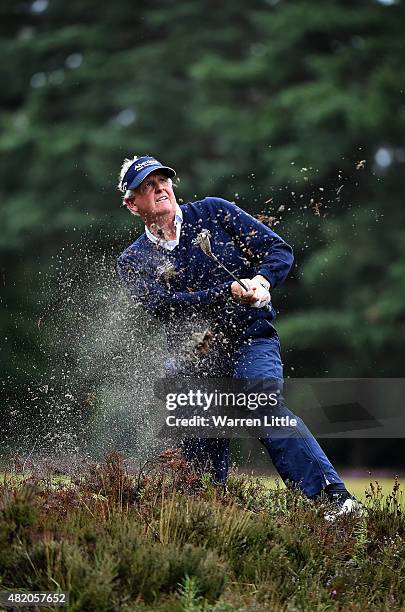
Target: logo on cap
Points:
x,y
149,162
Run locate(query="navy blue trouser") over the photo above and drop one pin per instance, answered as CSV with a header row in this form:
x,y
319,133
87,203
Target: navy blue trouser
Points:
x,y
297,456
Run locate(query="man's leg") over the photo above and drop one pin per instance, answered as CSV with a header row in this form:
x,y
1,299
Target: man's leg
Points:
x,y
297,456
208,455
204,454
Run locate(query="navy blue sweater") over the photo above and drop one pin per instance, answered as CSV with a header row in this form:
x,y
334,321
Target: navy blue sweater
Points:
x,y
182,283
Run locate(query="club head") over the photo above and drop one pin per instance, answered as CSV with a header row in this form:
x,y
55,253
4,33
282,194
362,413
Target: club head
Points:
x,y
202,240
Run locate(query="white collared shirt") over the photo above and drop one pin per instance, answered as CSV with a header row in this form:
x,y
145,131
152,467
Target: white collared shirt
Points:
x,y
168,244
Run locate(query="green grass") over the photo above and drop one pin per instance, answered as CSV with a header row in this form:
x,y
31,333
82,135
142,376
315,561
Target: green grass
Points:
x,y
356,486
166,539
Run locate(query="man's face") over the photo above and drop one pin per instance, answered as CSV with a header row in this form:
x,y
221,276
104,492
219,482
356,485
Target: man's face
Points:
x,y
154,198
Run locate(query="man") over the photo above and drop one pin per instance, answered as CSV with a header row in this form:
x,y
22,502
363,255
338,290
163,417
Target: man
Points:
x,y
173,279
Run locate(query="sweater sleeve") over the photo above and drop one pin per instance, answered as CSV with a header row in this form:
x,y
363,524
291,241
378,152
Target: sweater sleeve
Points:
x,y
158,300
272,256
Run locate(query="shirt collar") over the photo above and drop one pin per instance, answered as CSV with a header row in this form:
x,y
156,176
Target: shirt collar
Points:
x,y
179,215
168,244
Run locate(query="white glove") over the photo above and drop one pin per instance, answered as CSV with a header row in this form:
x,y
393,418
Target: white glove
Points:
x,y
262,294
263,297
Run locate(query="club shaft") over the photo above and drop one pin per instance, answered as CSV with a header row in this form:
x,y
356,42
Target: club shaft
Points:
x,y
267,308
229,272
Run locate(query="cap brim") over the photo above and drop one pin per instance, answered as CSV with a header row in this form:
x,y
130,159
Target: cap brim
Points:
x,y
148,170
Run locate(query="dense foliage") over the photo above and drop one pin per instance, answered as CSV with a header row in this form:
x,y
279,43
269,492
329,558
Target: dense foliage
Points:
x,y
159,539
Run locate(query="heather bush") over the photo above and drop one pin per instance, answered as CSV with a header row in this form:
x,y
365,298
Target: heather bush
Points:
x,y
161,538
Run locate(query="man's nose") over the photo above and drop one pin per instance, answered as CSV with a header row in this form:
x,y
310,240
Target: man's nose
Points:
x,y
158,187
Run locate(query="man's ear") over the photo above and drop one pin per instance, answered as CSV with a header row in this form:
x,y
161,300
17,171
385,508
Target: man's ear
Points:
x,y
130,202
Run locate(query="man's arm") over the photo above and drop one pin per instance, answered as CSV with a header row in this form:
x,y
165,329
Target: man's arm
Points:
x,y
159,301
271,254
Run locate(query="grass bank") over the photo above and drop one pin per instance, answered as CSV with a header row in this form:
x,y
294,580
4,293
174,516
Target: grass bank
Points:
x,y
162,539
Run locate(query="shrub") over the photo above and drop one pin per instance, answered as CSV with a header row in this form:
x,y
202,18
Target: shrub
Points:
x,y
154,540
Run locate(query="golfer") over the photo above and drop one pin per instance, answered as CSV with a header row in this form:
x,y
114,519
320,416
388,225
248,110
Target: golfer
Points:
x,y
166,272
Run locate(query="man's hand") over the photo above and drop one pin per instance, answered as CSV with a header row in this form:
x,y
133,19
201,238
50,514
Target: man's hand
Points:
x,y
257,296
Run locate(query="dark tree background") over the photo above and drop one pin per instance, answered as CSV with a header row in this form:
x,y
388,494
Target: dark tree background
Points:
x,y
294,109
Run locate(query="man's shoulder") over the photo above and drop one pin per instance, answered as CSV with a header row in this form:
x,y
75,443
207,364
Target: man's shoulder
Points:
x,y
208,206
133,251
